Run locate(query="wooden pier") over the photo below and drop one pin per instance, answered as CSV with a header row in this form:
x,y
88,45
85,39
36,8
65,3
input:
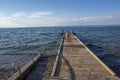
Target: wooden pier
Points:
x,y
76,62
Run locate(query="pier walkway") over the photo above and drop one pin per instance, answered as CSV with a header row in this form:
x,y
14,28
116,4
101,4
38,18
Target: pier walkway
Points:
x,y
76,62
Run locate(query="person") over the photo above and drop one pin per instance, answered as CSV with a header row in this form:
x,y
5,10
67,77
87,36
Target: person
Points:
x,y
73,31
67,35
62,32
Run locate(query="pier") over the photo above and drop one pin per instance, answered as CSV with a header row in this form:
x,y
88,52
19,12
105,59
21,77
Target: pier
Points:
x,y
76,62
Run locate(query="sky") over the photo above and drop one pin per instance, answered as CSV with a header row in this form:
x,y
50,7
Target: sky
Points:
x,y
37,13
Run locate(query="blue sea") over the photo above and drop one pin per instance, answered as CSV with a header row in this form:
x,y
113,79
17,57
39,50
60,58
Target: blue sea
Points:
x,y
103,41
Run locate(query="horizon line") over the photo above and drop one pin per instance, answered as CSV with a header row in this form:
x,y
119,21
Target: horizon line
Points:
x,y
63,26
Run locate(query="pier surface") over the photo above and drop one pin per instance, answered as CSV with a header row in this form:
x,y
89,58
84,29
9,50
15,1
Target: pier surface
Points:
x,y
77,62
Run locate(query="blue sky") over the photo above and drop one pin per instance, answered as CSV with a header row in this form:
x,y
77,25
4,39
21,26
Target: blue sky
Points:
x,y
26,13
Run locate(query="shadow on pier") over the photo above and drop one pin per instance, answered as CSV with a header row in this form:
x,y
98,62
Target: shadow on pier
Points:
x,y
61,57
72,73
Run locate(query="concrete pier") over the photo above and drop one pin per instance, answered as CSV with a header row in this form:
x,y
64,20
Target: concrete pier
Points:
x,y
76,62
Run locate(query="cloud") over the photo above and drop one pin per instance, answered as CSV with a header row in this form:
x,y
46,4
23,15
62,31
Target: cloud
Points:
x,y
116,13
4,20
40,14
32,14
48,18
97,20
90,19
1,14
18,14
24,19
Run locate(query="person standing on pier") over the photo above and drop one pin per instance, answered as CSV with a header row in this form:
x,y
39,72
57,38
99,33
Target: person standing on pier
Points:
x,y
73,31
67,35
63,33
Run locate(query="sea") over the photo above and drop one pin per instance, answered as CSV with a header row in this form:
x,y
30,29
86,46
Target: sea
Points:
x,y
104,41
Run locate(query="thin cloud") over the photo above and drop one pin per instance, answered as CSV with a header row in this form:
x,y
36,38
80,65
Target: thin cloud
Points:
x,y
31,14
116,13
19,14
40,19
40,14
23,19
1,14
90,19
4,20
97,20
47,18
